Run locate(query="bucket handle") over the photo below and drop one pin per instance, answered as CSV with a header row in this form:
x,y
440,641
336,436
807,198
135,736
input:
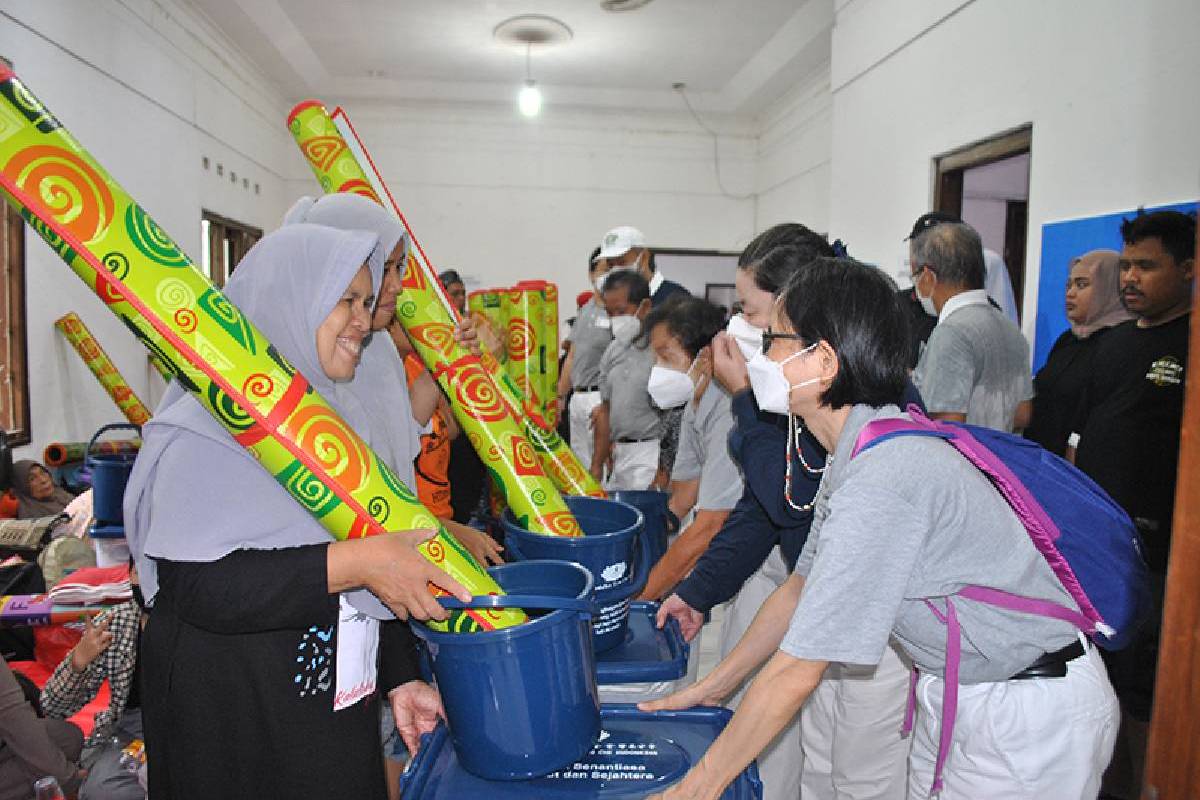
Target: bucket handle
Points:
x,y
642,571
87,454
539,601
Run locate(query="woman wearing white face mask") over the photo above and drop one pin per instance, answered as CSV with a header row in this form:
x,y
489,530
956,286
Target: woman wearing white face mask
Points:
x,y
897,529
743,561
704,476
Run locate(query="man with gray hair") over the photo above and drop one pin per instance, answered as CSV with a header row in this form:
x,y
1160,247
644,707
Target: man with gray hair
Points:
x,y
975,367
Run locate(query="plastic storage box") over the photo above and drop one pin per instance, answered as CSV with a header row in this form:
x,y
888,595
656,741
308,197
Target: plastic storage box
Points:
x,y
649,663
638,754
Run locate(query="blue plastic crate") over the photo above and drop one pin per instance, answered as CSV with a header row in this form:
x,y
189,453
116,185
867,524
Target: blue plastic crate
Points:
x,y
647,653
638,754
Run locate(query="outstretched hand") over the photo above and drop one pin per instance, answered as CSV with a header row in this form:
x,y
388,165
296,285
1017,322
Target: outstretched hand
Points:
x,y
417,707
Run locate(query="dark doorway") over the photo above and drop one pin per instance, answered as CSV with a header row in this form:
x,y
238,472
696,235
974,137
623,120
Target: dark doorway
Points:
x,y
987,185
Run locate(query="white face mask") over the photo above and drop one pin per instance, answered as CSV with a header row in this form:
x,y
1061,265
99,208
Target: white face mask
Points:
x,y
670,388
770,385
626,328
747,336
598,283
926,302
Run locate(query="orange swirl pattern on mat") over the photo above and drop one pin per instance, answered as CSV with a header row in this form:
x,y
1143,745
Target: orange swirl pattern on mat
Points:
x,y
342,454
323,150
359,186
258,386
73,191
561,523
522,339
474,389
524,459
437,335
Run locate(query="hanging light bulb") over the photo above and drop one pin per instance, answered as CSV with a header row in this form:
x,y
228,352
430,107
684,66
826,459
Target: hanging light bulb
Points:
x,y
529,99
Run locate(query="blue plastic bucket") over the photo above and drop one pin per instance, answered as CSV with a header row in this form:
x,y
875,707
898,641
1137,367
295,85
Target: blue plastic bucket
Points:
x,y
658,521
109,472
609,549
522,702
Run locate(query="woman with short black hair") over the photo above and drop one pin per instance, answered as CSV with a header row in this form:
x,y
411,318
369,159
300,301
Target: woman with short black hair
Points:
x,y
897,530
704,476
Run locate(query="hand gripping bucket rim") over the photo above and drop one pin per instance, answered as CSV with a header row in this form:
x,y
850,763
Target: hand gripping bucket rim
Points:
x,y
598,552
522,701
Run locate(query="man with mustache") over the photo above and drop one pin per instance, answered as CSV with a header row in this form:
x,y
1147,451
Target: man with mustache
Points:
x,y
1127,436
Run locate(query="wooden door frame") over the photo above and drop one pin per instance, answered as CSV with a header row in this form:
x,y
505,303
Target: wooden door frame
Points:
x,y
1173,755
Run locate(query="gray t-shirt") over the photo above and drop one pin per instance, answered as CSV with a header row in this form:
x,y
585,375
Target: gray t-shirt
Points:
x,y
976,362
590,335
704,451
624,374
909,520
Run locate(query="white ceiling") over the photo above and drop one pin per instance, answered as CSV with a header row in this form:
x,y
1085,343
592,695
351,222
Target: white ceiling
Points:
x,y
734,55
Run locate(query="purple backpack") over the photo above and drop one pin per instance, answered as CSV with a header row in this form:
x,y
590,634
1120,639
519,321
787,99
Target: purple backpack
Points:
x,y
1087,539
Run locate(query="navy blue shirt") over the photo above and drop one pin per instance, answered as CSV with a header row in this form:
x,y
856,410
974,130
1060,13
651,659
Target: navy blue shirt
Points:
x,y
666,291
762,517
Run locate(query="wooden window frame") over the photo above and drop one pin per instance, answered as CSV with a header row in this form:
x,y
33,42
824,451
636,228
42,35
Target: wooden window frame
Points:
x,y
14,340
224,231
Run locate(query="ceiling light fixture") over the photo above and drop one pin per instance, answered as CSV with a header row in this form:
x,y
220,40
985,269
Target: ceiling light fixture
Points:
x,y
526,31
529,99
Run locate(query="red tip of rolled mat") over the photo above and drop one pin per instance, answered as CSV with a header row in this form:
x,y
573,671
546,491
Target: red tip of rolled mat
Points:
x,y
300,107
6,72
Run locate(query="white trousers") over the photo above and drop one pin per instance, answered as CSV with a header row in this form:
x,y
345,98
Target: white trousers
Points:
x,y
851,741
634,465
580,413
779,763
1040,739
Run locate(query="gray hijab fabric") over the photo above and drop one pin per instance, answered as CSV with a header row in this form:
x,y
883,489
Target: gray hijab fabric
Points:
x,y
28,507
195,494
1104,268
380,383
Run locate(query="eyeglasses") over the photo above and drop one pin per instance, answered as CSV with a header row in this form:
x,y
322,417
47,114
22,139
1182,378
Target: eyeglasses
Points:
x,y
768,338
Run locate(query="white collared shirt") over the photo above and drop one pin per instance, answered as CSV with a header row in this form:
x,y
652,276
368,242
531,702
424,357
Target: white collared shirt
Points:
x,y
656,281
972,297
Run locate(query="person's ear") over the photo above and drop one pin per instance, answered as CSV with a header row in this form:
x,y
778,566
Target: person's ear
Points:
x,y
830,366
643,310
1189,268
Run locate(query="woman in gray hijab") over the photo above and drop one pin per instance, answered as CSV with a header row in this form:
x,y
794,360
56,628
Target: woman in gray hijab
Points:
x,y
380,383
1093,302
36,494
260,675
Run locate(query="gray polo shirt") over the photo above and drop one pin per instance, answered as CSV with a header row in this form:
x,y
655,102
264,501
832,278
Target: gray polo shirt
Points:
x,y
976,362
704,451
624,373
907,520
590,336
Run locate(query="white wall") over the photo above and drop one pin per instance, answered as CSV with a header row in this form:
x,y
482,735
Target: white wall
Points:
x,y
794,158
1109,86
502,199
148,90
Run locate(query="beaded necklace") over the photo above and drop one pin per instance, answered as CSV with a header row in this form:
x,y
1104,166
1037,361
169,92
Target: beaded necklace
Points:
x,y
793,443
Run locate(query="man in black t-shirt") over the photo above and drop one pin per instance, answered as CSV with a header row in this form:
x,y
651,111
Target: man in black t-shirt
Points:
x,y
1127,429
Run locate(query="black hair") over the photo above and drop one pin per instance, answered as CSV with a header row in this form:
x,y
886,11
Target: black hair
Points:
x,y
785,234
854,308
450,276
592,259
1176,231
693,320
776,267
634,283
955,253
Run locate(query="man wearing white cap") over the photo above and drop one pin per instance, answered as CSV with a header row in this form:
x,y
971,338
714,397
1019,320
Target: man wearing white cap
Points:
x,y
624,248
